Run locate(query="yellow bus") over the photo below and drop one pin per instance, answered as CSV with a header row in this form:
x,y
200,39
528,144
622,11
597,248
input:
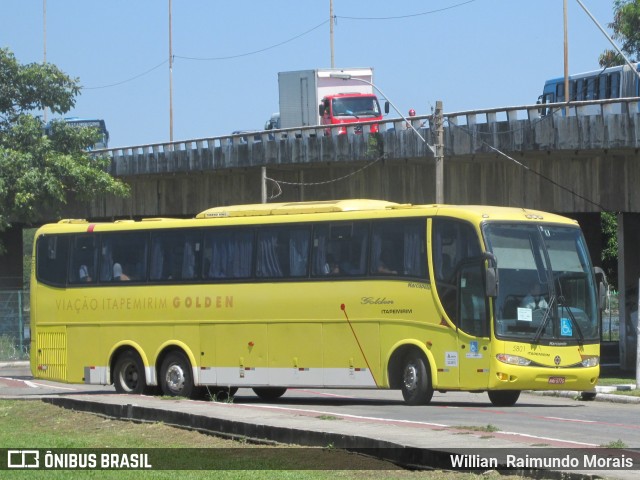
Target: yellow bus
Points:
x,y
328,294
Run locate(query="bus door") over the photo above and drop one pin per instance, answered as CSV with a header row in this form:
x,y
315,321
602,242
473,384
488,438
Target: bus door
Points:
x,y
459,280
474,348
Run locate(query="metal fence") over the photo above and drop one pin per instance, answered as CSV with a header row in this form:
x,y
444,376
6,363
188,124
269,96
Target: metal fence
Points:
x,y
14,325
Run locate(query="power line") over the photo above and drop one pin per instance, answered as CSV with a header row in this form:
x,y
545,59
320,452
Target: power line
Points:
x,y
229,57
271,47
246,54
129,79
278,183
399,17
531,170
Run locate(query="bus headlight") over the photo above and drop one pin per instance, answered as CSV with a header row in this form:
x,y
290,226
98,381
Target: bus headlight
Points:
x,y
513,359
590,361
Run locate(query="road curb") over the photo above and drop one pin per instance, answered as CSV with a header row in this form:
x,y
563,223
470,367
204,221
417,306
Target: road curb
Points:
x,y
600,397
405,456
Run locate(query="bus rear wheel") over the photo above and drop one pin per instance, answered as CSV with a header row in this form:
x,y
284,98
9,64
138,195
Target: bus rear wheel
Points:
x,y
269,393
176,378
504,398
128,374
416,381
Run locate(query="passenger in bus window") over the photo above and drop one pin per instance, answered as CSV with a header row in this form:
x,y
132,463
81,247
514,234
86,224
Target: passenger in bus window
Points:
x,y
384,263
331,267
118,274
534,299
83,274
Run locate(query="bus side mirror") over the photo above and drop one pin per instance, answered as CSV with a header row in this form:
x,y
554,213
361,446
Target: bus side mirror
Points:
x,y
491,275
321,110
602,287
386,107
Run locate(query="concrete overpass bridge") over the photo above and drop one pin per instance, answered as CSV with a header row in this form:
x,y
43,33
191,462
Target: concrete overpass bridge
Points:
x,y
577,160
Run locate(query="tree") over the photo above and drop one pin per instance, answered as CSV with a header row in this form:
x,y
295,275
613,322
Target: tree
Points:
x,y
41,173
609,257
626,30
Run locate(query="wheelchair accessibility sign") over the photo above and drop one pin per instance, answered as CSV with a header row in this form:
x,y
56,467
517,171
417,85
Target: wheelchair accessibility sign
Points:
x,y
566,329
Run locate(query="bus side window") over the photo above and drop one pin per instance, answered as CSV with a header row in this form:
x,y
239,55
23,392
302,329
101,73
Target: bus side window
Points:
x,y
457,241
560,92
175,256
604,90
580,89
129,250
473,307
324,260
83,259
228,253
594,88
283,252
53,256
340,248
398,248
614,85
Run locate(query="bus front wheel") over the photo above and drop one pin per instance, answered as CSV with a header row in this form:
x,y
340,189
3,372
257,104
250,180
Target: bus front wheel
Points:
x,y
416,381
128,374
269,393
176,378
504,398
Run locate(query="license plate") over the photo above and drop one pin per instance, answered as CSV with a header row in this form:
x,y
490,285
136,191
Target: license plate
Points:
x,y
556,380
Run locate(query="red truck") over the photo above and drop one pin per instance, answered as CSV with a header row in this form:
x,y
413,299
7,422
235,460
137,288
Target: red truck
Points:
x,y
328,96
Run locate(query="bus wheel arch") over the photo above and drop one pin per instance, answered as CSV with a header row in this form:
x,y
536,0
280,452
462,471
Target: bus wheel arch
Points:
x,y
175,373
410,371
127,371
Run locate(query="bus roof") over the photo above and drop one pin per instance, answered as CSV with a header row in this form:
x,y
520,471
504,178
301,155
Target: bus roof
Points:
x,y
296,211
290,208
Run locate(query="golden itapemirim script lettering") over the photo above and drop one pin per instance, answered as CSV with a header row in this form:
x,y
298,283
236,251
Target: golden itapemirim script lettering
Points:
x,y
203,302
90,304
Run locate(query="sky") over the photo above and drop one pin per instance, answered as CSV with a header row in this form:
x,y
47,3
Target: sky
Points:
x,y
470,54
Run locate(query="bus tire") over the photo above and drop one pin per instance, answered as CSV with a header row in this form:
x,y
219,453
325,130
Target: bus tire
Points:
x,y
416,381
503,398
588,396
269,393
128,374
176,378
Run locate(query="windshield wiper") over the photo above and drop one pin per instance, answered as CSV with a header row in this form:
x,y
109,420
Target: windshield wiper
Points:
x,y
545,320
573,321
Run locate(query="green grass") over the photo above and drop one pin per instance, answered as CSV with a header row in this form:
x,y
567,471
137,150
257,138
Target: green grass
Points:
x,y
615,376
35,424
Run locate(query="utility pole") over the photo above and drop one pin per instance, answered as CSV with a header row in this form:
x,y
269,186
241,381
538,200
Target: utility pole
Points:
x,y
44,37
170,79
439,127
331,31
567,97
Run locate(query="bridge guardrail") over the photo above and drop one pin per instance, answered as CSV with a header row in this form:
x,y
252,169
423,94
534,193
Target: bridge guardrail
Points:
x,y
629,105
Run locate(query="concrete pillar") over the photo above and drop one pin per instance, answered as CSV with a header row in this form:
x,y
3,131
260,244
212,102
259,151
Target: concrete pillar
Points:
x,y
11,261
628,275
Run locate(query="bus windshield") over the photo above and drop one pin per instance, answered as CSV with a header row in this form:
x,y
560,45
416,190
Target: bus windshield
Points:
x,y
103,141
97,124
546,292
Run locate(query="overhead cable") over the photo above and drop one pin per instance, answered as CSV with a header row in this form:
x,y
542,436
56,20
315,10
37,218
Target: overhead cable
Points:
x,y
399,17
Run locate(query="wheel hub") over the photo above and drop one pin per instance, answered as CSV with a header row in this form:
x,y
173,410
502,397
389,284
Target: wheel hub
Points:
x,y
175,378
410,378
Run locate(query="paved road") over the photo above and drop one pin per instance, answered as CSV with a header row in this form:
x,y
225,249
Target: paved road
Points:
x,y
348,418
